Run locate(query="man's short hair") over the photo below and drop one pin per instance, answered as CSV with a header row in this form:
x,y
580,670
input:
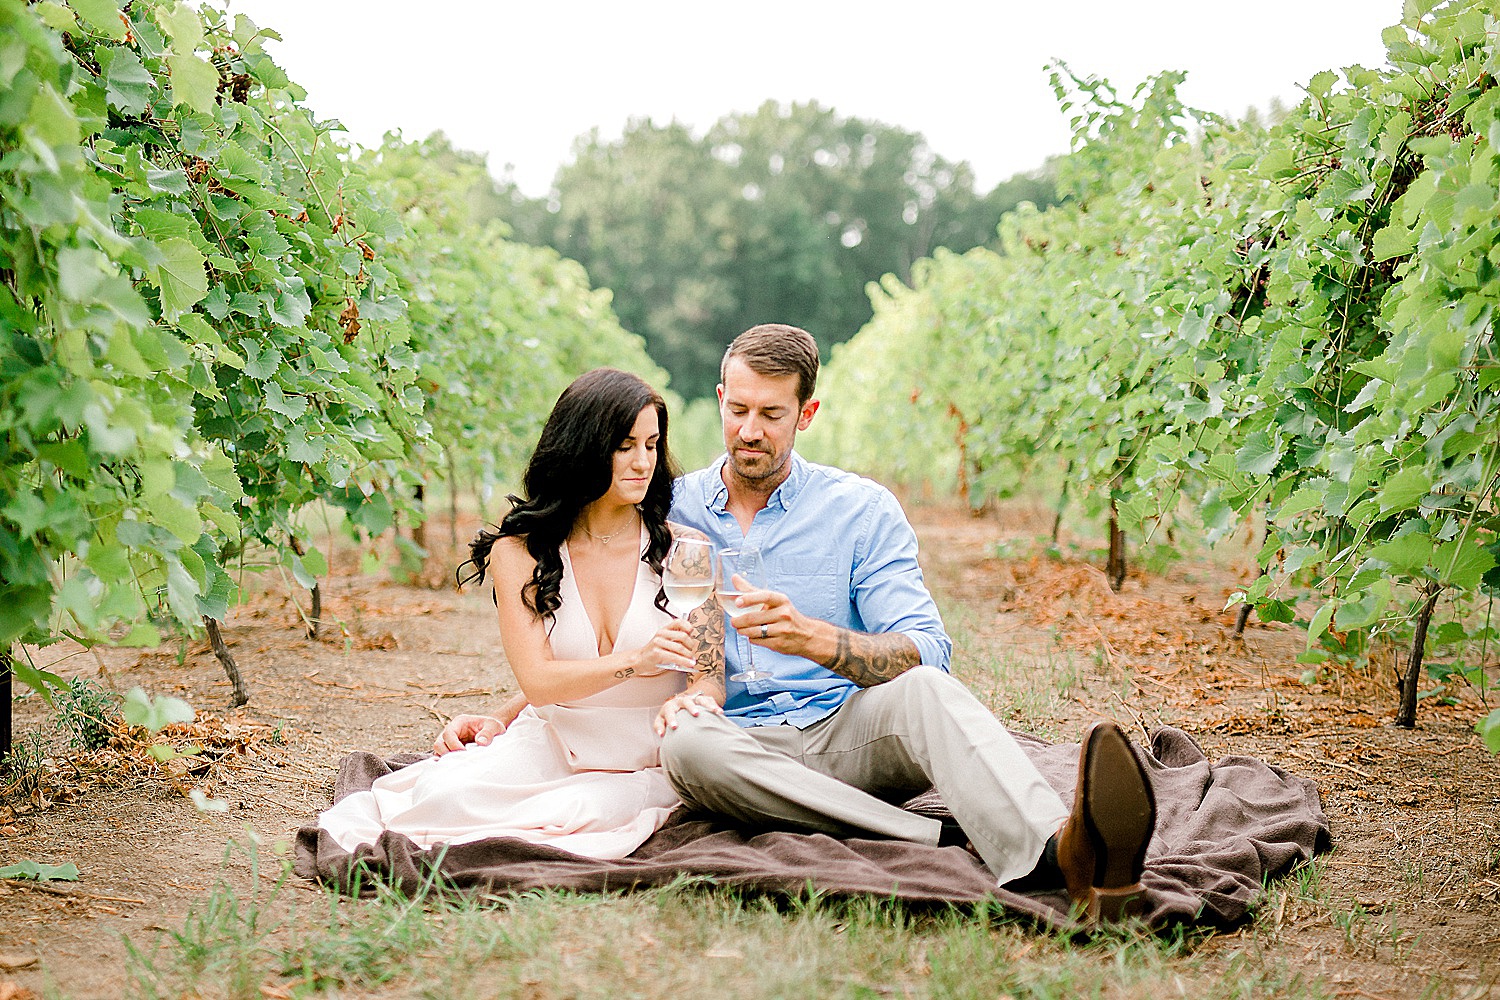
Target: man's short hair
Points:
x,y
777,349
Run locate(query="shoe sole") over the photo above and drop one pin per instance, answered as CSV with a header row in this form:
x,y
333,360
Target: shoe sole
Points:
x,y
1119,816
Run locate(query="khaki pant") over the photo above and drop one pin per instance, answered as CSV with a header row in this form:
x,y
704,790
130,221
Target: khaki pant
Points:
x,y
885,744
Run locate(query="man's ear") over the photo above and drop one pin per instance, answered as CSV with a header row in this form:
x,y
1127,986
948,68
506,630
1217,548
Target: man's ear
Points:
x,y
719,391
805,415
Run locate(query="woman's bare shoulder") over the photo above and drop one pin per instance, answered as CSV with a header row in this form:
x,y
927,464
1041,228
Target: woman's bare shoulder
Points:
x,y
510,553
683,531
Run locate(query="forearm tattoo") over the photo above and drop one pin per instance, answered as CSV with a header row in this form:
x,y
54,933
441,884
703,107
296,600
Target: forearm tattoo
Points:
x,y
706,623
868,659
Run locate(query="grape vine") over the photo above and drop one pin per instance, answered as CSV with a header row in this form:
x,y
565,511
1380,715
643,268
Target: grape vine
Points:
x,y
214,315
1226,323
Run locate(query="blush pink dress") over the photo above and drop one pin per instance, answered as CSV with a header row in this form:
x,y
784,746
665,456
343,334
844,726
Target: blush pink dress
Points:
x,y
584,776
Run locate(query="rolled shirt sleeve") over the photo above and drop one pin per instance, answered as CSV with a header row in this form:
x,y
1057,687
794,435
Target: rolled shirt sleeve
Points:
x,y
886,584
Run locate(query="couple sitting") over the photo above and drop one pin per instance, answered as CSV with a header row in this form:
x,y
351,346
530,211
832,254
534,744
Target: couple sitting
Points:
x,y
859,712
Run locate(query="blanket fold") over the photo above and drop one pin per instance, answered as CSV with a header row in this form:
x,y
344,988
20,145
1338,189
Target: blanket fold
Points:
x,y
1223,829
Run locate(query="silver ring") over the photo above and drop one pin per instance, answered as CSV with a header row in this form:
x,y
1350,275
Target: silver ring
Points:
x,y
764,632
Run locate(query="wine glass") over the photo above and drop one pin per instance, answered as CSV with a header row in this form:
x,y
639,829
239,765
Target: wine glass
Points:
x,y
687,576
745,564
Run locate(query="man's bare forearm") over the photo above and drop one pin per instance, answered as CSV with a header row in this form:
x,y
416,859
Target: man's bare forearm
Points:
x,y
868,658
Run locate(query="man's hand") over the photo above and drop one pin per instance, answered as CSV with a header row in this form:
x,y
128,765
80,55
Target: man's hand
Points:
x,y
467,729
776,623
865,658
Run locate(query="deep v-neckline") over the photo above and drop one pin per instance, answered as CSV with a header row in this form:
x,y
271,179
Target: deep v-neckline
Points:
x,y
583,606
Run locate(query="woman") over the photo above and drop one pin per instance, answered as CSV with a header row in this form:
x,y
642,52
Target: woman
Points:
x,y
577,583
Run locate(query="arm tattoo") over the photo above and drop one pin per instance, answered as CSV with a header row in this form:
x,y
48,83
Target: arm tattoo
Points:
x,y
868,659
706,623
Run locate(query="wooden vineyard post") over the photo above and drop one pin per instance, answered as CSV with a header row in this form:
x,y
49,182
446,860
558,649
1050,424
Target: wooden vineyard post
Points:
x,y
241,693
1243,618
1406,715
419,519
452,500
315,615
5,726
1062,502
1114,569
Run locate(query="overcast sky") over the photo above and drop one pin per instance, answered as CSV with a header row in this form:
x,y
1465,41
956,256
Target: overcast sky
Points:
x,y
520,81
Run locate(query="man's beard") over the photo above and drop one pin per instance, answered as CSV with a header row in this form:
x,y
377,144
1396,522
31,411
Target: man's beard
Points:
x,y
760,468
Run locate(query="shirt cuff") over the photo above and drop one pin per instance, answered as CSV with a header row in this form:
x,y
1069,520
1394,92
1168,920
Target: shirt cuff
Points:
x,y
934,651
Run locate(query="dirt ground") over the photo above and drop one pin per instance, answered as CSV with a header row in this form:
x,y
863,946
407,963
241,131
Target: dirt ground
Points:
x,y
1415,871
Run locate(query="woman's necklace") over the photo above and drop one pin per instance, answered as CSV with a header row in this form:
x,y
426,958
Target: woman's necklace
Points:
x,y
601,539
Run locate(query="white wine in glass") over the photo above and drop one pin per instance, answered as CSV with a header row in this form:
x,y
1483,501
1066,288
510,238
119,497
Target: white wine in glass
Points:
x,y
746,565
687,576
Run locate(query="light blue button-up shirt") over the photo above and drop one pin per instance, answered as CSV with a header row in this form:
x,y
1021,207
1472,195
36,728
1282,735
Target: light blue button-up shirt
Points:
x,y
840,547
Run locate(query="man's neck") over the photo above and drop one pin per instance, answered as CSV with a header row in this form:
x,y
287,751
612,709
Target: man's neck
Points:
x,y
748,497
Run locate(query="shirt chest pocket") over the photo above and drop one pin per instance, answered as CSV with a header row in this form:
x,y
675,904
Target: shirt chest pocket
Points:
x,y
817,586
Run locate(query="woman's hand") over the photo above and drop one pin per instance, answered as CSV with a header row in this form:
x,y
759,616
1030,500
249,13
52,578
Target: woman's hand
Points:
x,y
671,648
466,729
477,729
695,703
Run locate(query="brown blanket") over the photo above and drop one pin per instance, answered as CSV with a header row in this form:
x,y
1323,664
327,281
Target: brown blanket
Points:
x,y
1223,829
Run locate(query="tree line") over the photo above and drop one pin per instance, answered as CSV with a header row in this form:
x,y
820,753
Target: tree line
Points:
x,y
784,213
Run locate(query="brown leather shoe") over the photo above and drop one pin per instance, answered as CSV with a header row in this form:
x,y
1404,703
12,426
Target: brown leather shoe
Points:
x,y
1101,849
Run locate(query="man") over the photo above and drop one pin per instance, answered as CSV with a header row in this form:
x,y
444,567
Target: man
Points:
x,y
860,711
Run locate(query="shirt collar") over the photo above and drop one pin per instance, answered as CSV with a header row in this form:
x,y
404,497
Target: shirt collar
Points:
x,y
716,494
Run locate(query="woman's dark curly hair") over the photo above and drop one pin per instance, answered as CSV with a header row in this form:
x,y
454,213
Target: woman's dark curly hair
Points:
x,y
572,466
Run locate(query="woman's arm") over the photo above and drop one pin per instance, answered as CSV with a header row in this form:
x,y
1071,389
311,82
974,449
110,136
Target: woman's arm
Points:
x,y
705,691
547,681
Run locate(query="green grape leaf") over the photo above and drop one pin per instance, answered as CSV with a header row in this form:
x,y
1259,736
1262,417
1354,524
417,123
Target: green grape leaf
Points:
x,y
1320,621
180,276
80,272
195,82
57,16
102,15
177,517
1277,611
53,120
303,447
183,25
127,84
315,563
1463,563
261,366
287,406
1405,489
291,306
142,635
1408,553
1488,729
37,871
1259,455
1392,241
167,181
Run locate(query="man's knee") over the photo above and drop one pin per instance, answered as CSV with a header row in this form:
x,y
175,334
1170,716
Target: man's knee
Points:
x,y
923,680
922,691
690,750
